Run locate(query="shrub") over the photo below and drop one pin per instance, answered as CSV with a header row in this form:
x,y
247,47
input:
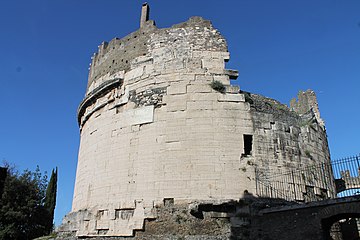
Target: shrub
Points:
x,y
218,86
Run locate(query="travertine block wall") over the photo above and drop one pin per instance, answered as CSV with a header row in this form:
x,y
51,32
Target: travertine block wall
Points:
x,y
285,141
152,128
161,132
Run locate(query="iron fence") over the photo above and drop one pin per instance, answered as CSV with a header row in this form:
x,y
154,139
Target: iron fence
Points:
x,y
346,173
312,183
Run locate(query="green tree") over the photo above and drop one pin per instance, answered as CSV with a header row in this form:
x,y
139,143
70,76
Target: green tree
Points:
x,y
50,198
23,214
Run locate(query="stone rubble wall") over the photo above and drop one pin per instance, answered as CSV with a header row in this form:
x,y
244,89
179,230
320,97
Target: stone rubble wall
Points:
x,y
177,222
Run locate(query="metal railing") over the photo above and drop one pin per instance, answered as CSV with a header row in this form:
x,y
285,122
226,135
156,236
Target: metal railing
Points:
x,y
326,180
347,175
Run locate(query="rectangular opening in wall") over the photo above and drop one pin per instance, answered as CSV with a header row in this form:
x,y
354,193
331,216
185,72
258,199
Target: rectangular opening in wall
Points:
x,y
248,139
168,202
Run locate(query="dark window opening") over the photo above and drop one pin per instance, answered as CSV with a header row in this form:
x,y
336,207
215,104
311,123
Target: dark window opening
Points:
x,y
248,139
168,202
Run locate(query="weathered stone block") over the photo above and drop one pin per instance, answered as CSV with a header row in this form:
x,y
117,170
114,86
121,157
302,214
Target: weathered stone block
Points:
x,y
224,79
136,116
179,88
231,98
198,88
212,63
175,103
134,73
203,78
199,105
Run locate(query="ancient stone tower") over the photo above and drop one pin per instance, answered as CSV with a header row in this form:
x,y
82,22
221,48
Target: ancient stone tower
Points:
x,y
161,125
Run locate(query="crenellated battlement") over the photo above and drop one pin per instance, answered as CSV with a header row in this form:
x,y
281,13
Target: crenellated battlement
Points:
x,y
117,55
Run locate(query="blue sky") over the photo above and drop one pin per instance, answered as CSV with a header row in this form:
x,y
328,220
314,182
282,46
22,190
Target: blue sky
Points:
x,y
278,46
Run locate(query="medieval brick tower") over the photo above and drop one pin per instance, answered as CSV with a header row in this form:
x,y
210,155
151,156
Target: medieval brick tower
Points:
x,y
161,124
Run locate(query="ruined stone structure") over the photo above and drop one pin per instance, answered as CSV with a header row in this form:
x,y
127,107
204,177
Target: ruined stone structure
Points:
x,y
162,126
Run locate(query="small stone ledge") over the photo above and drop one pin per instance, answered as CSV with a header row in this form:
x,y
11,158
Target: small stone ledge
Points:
x,y
232,89
233,74
230,97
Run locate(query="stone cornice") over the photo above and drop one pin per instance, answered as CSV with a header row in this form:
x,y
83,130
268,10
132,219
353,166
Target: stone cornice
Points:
x,y
100,91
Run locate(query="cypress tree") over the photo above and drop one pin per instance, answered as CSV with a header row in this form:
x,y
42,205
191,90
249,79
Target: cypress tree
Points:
x,y
3,174
50,198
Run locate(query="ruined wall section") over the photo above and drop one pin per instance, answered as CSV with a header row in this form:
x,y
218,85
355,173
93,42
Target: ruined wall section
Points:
x,y
307,102
285,140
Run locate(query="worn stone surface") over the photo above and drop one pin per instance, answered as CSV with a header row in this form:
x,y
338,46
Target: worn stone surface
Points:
x,y
152,129
307,102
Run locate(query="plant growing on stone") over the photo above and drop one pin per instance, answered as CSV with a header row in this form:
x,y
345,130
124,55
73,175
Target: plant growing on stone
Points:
x,y
247,97
218,86
308,154
281,107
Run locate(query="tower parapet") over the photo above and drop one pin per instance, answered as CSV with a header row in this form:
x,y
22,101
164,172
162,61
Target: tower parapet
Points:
x,y
117,55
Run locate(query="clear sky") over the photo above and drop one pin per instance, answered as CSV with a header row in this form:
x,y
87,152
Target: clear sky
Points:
x,y
278,46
